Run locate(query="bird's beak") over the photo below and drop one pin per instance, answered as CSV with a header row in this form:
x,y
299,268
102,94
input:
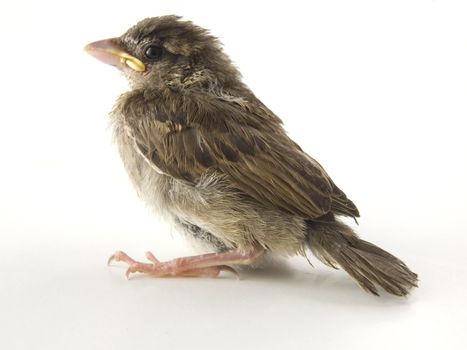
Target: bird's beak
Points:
x,y
109,51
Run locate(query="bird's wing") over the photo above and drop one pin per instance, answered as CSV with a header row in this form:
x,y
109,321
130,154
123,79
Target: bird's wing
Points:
x,y
255,155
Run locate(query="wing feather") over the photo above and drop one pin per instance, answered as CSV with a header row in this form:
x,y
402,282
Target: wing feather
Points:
x,y
258,159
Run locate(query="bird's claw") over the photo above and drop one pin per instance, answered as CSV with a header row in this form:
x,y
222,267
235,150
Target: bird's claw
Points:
x,y
131,269
120,256
150,256
133,265
166,269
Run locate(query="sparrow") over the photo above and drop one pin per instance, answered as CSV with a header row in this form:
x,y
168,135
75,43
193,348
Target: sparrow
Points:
x,y
205,153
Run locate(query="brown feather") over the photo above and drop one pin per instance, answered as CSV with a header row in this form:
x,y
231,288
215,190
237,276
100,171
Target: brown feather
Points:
x,y
201,149
336,244
249,153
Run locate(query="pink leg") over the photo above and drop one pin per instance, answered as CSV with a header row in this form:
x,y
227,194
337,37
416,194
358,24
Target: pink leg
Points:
x,y
206,265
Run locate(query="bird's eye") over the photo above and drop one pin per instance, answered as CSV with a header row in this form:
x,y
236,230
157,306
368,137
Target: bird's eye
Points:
x,y
153,52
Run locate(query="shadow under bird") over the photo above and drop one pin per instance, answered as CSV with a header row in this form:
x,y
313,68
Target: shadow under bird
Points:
x,y
204,152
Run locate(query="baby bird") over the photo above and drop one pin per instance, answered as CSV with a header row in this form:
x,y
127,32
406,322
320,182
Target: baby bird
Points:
x,y
201,149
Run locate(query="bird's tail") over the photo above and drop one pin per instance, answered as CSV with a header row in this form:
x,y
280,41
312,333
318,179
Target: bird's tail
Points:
x,y
336,244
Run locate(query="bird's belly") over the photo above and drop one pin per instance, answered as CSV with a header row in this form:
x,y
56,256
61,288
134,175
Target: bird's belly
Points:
x,y
152,187
235,219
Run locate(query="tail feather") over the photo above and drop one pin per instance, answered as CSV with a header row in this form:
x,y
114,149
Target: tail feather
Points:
x,y
334,243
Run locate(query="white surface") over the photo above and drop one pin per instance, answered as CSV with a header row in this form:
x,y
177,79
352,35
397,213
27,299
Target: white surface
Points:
x,y
377,93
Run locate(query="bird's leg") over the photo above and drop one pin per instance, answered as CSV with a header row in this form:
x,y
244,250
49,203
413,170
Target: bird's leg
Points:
x,y
206,265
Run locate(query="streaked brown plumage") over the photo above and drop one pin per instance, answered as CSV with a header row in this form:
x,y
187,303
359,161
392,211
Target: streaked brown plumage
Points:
x,y
203,150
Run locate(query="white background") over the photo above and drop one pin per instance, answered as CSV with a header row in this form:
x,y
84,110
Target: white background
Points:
x,y
376,91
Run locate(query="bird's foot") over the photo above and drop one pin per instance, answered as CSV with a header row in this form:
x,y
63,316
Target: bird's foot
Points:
x,y
206,265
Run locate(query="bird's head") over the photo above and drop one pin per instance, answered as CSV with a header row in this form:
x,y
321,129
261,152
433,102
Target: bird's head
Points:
x,y
168,52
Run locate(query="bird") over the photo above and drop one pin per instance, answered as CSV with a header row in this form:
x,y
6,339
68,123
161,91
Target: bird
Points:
x,y
204,153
